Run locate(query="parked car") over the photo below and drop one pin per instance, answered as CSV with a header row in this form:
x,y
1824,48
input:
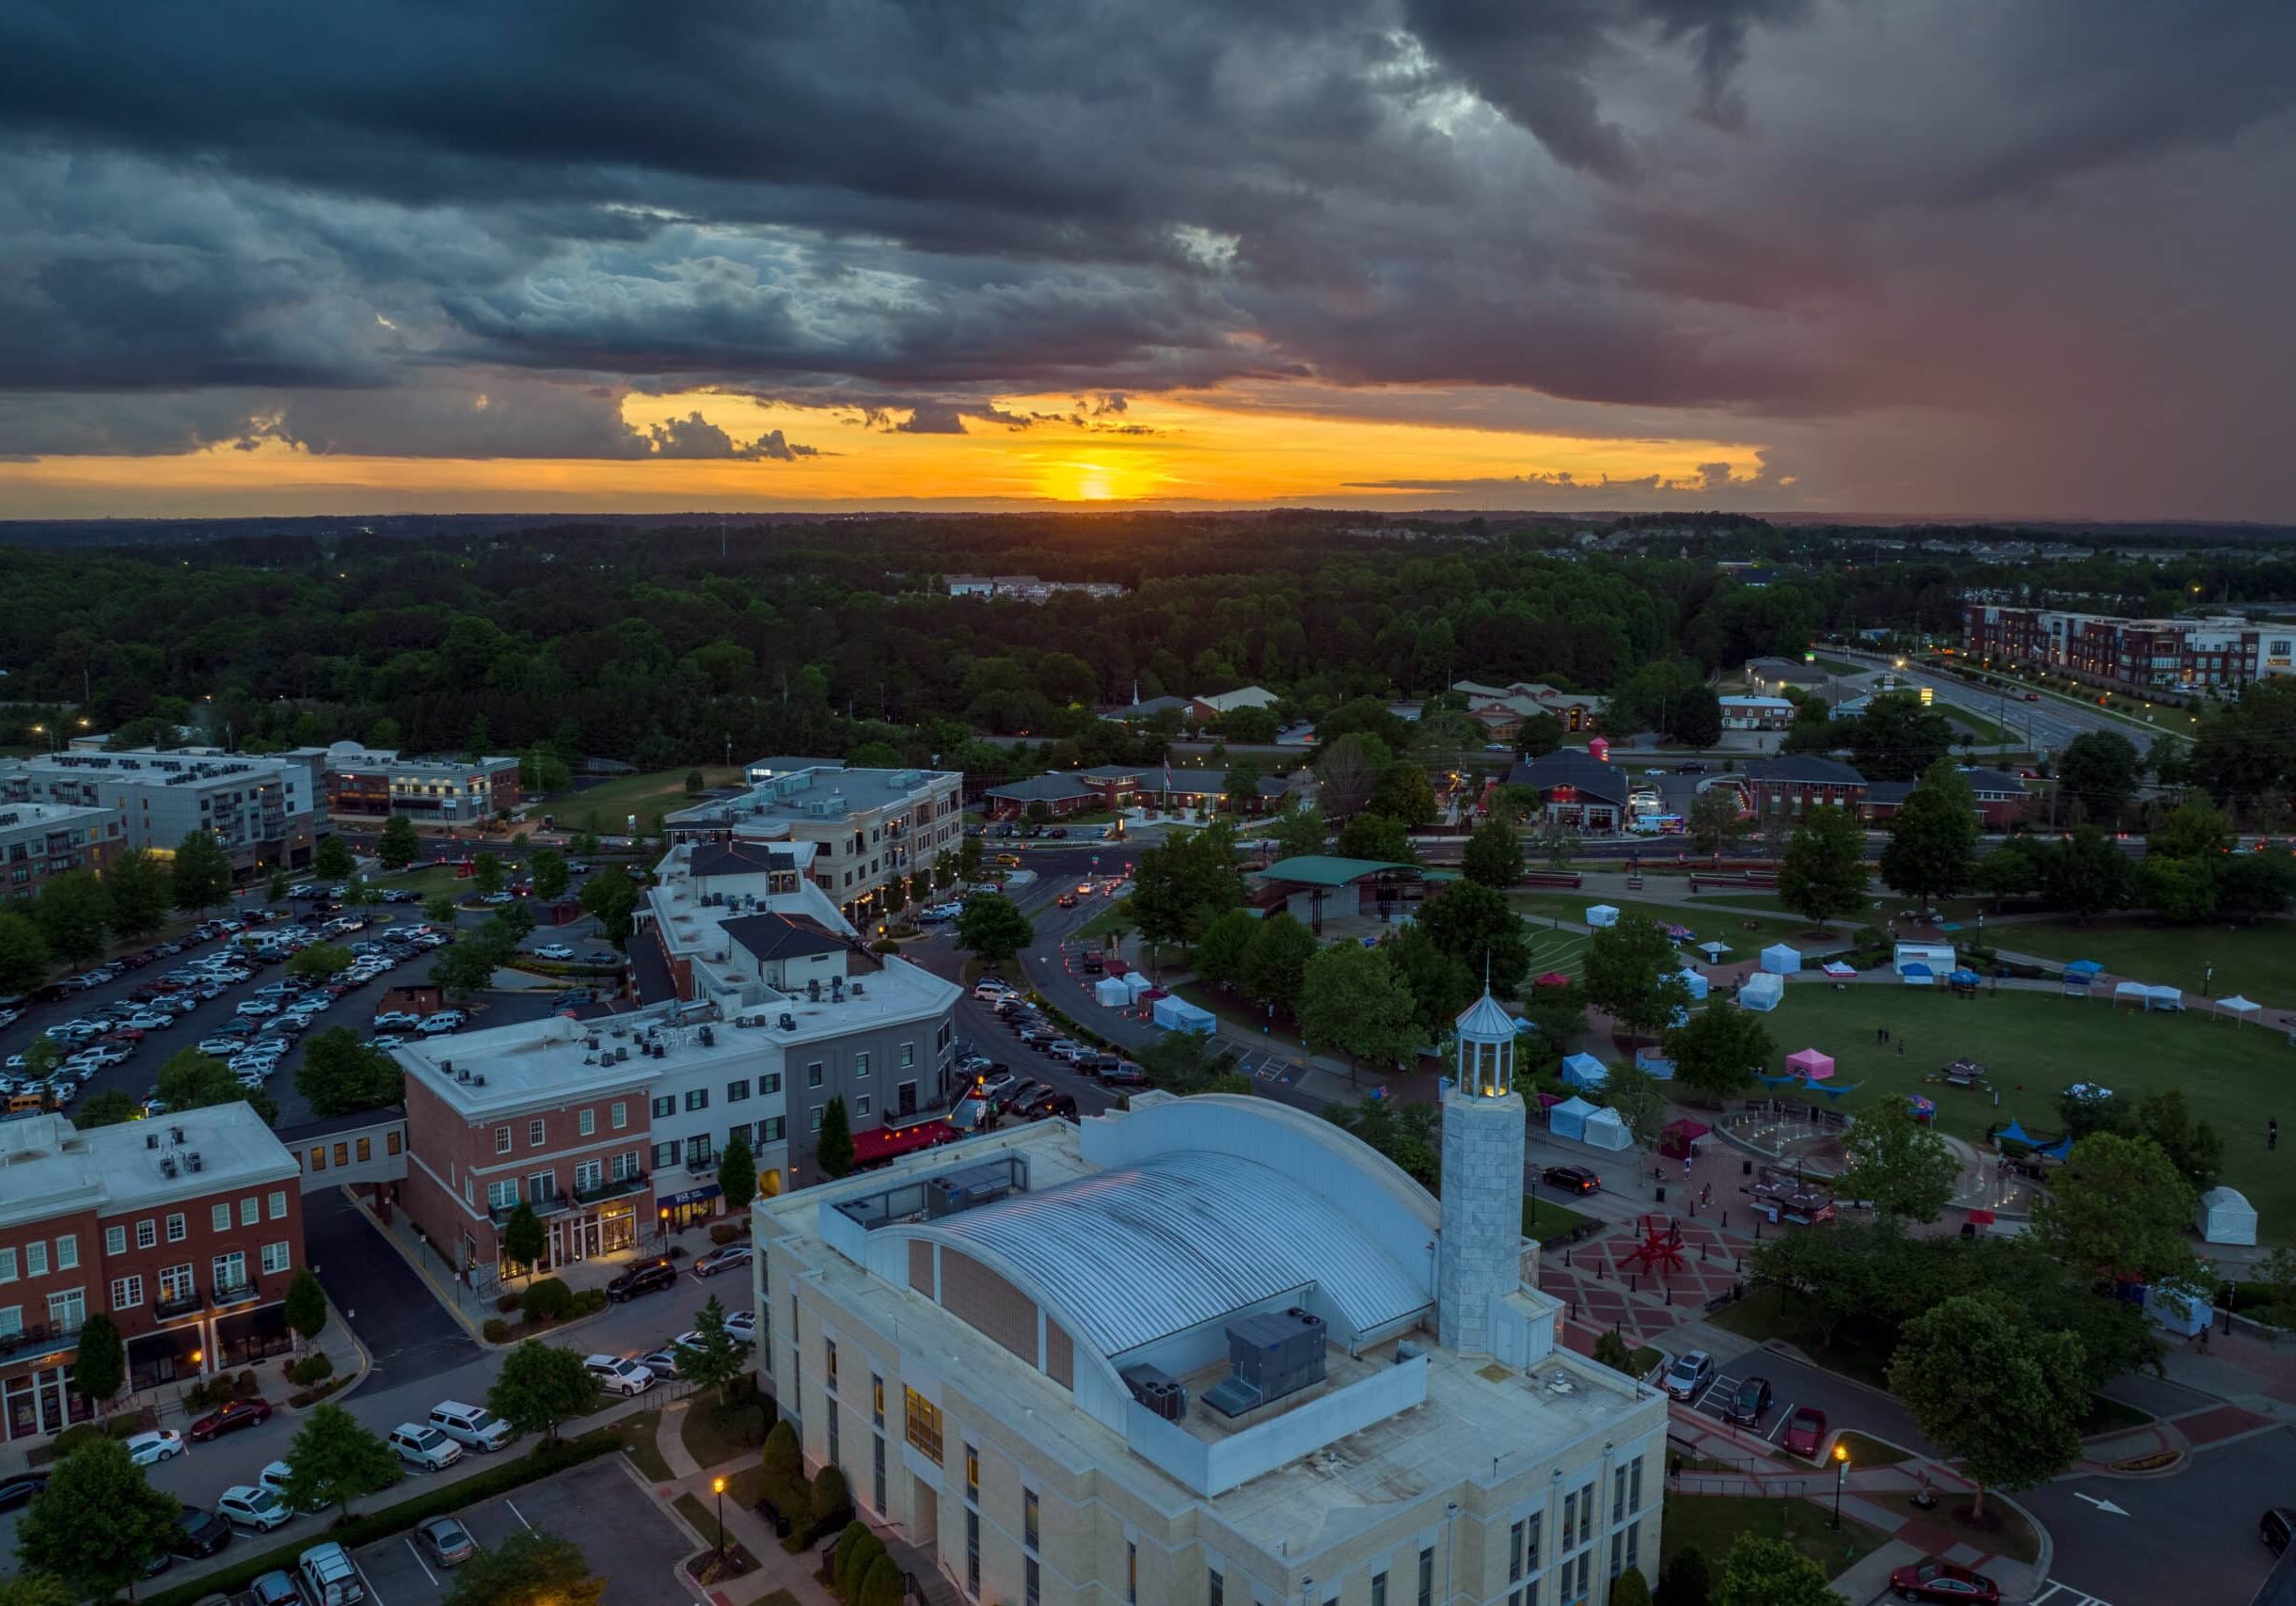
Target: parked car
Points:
x,y
440,1024
1944,1581
256,1006
273,1589
391,1019
446,1541
742,1325
198,1534
1689,1374
473,1425
1805,1433
1050,1105
726,1257
1749,1402
229,1418
663,1363
161,1444
1572,1178
643,1277
424,1447
1123,1073
617,1375
554,950
221,1048
250,1506
330,1577
2275,1527
17,1488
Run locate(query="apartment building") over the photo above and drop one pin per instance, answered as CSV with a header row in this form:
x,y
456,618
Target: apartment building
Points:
x,y
184,1230
262,811
2140,654
1210,1349
378,782
41,840
863,827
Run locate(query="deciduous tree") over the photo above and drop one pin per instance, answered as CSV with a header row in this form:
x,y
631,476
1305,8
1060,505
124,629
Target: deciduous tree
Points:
x,y
1185,882
2088,875
2003,1399
1896,1164
74,911
24,954
1633,974
304,1305
719,1358
1402,792
202,872
736,1172
1298,831
333,861
2118,1208
541,1386
991,928
523,1241
1494,855
1641,1100
339,1074
1822,876
1276,960
1476,925
1441,985
142,893
1716,822
1932,837
486,874
547,865
98,1523
100,1363
1219,953
2098,770
399,846
1719,1048
530,1567
834,1143
321,962
1762,1571
1350,1000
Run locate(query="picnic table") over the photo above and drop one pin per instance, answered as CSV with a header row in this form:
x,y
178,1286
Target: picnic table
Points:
x,y
1964,1073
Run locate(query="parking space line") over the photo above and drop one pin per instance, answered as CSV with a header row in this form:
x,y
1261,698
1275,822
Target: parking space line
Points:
x,y
520,1515
418,1555
372,1594
1785,1414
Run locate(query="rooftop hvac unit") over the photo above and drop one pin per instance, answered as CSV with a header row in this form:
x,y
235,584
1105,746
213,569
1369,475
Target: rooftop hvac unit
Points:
x,y
191,1162
1271,1354
620,1055
478,1081
168,1167
789,1022
709,1038
961,1190
1157,1390
447,1065
856,992
175,1134
151,1139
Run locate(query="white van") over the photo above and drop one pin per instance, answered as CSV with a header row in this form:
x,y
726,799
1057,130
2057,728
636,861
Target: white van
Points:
x,y
473,1425
424,1448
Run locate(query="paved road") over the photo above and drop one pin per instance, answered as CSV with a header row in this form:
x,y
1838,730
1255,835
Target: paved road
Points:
x,y
2052,721
2184,1539
391,1310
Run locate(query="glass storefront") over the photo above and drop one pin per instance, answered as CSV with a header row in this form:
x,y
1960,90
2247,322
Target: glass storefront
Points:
x,y
163,1356
249,1336
40,1401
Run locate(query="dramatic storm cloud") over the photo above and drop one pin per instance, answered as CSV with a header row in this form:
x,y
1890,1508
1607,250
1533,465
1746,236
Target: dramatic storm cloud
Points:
x,y
1910,256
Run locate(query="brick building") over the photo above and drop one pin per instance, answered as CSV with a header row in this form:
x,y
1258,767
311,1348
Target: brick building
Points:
x,y
362,781
851,830
41,840
2142,655
1795,782
184,1230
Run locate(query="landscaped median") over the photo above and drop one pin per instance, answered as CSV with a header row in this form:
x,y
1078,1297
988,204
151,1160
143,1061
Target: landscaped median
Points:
x,y
434,1500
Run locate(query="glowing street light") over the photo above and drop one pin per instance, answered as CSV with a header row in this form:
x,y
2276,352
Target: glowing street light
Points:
x,y
1841,1476
718,1487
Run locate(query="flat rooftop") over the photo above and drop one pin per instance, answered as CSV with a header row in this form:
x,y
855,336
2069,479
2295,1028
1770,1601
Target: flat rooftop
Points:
x,y
815,794
47,1165
150,766
49,816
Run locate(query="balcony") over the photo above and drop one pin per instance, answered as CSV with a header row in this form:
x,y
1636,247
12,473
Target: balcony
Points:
x,y
171,1305
612,1188
38,1336
555,1204
229,1293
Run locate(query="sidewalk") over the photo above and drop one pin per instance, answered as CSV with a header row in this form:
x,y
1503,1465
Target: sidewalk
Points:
x,y
777,1569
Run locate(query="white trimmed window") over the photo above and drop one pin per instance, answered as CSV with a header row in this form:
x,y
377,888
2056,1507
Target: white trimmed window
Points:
x,y
147,1234
250,1211
67,1252
275,1257
219,1217
8,1265
279,1206
36,1258
114,1240
127,1292
501,1139
586,1121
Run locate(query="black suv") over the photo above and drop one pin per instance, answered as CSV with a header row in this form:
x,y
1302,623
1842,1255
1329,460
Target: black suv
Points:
x,y
646,1277
1572,1178
1751,1403
198,1532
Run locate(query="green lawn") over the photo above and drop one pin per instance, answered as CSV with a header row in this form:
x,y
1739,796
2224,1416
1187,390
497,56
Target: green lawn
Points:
x,y
1713,1523
2256,961
1110,922
431,879
1544,1218
662,791
1835,666
637,1435
1865,1452
1709,922
2034,1045
1768,1312
1562,951
714,1436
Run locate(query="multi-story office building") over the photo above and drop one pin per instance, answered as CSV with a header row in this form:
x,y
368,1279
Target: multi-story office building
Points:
x,y
41,840
184,1230
761,1007
864,827
1211,1349
2143,655
262,811
362,781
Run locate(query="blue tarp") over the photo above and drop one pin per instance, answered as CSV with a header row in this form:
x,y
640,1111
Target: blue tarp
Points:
x,y
1963,979
2084,968
1834,1091
1775,1081
1916,969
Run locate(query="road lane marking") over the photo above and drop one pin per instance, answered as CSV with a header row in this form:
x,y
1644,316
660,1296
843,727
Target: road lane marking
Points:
x,y
520,1515
2104,1506
418,1555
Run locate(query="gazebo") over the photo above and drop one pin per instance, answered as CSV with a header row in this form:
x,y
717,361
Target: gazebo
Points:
x,y
1809,1064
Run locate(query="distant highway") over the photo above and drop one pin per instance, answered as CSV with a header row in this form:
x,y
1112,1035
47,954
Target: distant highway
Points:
x,y
2052,722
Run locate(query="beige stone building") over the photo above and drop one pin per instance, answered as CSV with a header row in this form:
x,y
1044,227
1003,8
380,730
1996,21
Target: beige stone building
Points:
x,y
1211,1350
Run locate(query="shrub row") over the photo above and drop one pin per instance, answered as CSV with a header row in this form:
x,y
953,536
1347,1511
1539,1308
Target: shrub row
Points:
x,y
543,1461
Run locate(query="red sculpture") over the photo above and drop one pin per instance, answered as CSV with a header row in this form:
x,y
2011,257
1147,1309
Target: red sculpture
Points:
x,y
1660,1250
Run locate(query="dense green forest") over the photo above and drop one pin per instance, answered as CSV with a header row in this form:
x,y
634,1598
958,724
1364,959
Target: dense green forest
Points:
x,y
678,644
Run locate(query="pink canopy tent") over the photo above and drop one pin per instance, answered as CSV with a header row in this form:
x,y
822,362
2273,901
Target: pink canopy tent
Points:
x,y
1552,978
1809,1062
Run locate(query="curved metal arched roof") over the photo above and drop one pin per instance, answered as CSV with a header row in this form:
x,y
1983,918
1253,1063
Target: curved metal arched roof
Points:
x,y
1127,1256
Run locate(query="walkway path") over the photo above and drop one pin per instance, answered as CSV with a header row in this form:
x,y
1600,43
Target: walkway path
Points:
x,y
777,1569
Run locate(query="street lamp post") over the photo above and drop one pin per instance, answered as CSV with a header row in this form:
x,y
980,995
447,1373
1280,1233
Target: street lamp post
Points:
x,y
1841,1476
718,1487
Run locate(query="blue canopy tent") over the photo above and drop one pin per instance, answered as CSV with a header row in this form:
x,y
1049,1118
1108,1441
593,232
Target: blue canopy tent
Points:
x,y
1917,974
2058,1150
1654,1061
2086,969
1569,1118
1695,981
2017,1133
1584,1070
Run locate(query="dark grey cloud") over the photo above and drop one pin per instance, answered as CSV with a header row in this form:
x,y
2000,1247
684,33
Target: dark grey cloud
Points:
x,y
1768,216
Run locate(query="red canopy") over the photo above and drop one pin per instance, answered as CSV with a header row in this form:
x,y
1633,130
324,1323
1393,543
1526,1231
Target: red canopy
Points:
x,y
1553,979
1685,1127
880,1144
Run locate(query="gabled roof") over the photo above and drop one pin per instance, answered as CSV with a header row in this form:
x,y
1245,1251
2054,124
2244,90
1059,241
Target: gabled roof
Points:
x,y
1984,780
1575,768
1805,767
783,936
1044,788
1326,870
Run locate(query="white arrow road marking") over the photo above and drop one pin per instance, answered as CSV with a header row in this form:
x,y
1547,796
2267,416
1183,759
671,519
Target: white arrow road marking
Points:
x,y
2104,1506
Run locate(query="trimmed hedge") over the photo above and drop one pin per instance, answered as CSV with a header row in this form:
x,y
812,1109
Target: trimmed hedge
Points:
x,y
543,1461
311,1369
497,1330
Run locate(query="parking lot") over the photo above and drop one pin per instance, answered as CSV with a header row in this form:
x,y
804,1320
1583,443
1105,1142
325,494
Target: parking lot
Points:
x,y
206,1019
601,1506
1714,1398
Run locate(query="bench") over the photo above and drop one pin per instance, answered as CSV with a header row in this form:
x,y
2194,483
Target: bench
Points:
x,y
1570,878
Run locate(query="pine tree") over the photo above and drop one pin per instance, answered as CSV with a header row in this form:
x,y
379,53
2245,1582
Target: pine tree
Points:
x,y
101,1366
834,1143
736,1172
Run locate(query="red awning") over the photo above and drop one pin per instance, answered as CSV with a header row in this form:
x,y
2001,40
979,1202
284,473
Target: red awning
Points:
x,y
892,1142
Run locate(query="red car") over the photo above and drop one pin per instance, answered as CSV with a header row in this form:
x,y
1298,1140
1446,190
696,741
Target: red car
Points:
x,y
1805,1433
230,1419
1942,1581
123,1034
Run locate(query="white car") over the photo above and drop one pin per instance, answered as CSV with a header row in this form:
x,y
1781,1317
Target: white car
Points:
x,y
162,1445
222,1047
244,1505
151,1020
742,1325
441,1023
99,1057
617,1375
254,1007
554,950
390,1018
990,990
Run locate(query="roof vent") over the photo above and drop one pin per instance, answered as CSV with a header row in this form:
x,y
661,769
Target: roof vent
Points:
x,y
789,1022
151,1139
478,1081
447,1065
176,1134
